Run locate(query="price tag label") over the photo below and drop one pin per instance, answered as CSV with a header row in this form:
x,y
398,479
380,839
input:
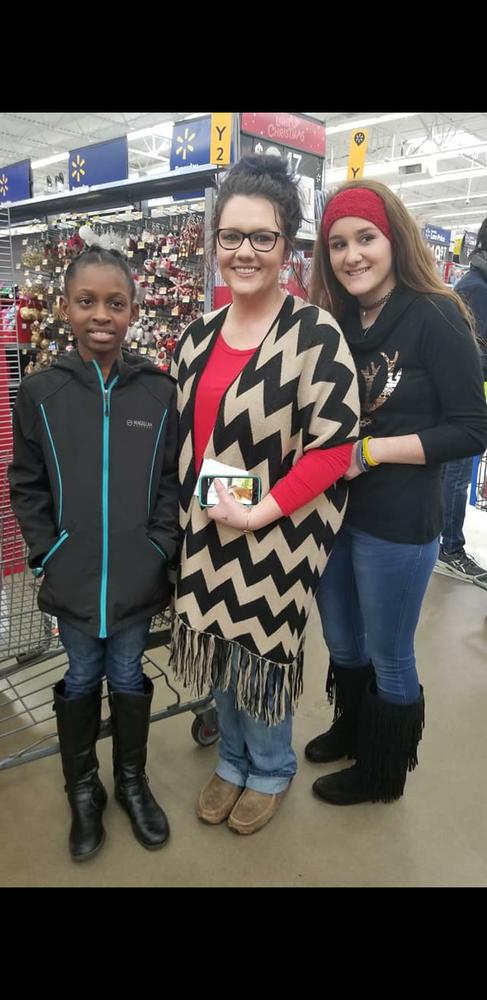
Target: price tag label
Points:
x,y
173,256
44,262
151,279
186,298
58,270
61,330
17,267
143,350
134,345
24,243
140,245
130,253
200,251
201,298
38,267
50,289
152,314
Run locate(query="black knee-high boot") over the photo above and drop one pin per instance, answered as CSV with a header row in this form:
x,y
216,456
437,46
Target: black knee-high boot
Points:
x,y
130,721
388,742
348,685
78,723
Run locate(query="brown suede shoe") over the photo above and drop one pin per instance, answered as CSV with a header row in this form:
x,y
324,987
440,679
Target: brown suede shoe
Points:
x,y
253,810
217,799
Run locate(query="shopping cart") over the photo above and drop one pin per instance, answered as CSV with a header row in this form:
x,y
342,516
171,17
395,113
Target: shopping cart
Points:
x,y
32,660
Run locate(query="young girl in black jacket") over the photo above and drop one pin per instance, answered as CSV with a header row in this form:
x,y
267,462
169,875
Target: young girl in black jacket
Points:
x,y
94,487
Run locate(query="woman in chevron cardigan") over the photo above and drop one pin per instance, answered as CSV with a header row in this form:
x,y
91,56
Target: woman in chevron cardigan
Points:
x,y
266,385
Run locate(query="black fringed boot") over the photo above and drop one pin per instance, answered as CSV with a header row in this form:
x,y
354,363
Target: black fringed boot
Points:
x,y
130,722
347,684
78,723
388,742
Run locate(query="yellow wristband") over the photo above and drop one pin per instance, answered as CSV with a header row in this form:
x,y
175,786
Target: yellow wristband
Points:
x,y
366,452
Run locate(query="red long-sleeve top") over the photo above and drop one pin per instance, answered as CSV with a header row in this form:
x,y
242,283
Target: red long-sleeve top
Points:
x,y
313,473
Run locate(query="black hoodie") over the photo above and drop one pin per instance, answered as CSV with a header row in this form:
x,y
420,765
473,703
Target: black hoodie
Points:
x,y
93,484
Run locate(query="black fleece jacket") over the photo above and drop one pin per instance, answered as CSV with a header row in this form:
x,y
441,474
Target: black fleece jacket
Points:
x,y
93,484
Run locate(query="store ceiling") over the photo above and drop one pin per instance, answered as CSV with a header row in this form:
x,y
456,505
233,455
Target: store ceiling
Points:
x,y
426,146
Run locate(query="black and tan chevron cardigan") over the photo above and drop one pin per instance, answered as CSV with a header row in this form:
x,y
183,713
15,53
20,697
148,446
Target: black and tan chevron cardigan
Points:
x,y
249,595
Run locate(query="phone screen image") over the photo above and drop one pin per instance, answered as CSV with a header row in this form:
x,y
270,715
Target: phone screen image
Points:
x,y
245,489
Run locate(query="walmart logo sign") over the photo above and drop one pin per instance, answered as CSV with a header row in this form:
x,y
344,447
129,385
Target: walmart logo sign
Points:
x,y
15,182
100,163
190,144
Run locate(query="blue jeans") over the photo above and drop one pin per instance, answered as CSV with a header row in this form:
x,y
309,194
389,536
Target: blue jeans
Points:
x,y
369,599
118,658
252,754
455,481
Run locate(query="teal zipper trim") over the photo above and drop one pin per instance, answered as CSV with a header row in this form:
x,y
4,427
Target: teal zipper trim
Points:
x,y
60,484
62,538
105,478
160,551
154,460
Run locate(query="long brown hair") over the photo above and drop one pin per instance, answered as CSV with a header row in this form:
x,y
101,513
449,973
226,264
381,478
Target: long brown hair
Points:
x,y
413,264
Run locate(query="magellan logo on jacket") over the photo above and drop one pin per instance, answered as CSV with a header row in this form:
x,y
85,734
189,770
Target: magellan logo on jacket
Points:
x,y
146,425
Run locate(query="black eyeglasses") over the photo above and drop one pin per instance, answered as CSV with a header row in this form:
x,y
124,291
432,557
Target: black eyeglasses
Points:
x,y
263,240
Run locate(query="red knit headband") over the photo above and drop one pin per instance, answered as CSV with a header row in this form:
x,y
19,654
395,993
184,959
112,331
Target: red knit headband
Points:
x,y
360,202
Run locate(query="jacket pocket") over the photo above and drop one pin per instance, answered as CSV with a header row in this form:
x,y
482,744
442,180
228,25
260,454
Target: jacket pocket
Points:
x,y
71,575
158,549
54,548
137,579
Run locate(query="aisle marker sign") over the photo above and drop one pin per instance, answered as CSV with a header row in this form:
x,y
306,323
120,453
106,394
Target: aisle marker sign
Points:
x,y
358,151
221,138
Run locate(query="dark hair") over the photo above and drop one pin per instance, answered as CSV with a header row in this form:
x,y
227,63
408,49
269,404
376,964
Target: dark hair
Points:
x,y
98,255
264,177
482,237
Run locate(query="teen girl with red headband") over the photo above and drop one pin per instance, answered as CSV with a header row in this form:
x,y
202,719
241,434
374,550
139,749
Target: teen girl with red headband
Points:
x,y
422,404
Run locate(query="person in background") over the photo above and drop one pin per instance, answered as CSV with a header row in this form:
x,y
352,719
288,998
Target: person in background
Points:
x,y
456,476
266,385
93,484
422,404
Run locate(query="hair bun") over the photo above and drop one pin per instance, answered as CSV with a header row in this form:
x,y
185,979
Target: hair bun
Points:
x,y
263,164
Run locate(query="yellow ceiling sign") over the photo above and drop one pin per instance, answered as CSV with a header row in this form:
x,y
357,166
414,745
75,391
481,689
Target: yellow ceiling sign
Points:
x,y
357,154
221,137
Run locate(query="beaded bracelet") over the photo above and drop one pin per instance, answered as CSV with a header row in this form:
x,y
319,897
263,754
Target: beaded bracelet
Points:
x,y
360,460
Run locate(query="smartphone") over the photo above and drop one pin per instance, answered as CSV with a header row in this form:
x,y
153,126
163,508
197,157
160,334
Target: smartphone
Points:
x,y
245,489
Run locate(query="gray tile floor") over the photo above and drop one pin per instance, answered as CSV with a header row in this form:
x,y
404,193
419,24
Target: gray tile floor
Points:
x,y
436,835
